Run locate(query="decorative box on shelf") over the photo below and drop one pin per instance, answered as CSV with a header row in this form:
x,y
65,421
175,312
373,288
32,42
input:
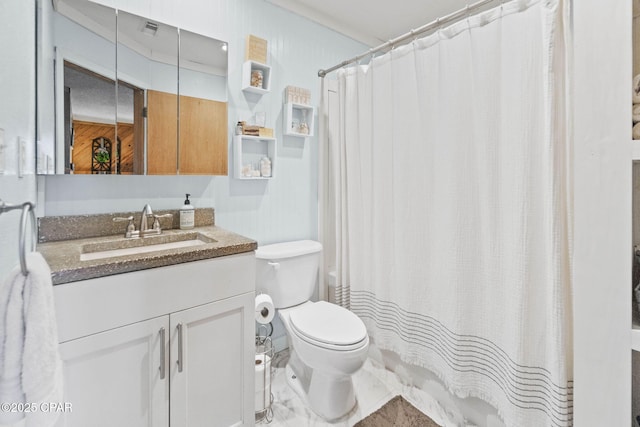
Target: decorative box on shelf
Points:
x,y
297,95
250,130
256,49
254,157
266,132
298,120
256,77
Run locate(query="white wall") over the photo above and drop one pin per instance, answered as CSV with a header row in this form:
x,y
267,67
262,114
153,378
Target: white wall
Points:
x,y
46,119
601,89
283,208
17,118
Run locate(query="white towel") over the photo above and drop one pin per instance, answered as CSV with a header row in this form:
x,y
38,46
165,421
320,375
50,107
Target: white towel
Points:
x,y
11,341
30,364
636,89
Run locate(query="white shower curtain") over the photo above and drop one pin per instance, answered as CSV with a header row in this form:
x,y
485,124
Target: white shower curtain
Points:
x,y
453,204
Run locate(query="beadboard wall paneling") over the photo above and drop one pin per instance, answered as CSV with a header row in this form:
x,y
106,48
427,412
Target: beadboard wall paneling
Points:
x,y
17,118
283,208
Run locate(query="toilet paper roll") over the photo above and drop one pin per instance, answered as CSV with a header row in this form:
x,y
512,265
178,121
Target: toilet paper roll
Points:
x,y
263,382
264,309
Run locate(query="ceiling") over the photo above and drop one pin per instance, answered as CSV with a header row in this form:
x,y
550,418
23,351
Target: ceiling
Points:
x,y
373,22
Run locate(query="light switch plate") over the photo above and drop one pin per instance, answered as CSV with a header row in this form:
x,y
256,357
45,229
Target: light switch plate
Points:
x,y
22,156
2,152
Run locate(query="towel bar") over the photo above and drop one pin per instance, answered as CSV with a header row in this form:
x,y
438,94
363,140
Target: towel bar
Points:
x,y
26,207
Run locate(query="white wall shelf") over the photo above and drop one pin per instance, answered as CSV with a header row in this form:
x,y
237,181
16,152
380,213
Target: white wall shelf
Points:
x,y
247,68
247,152
294,115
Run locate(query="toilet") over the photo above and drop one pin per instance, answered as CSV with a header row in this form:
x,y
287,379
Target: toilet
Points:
x,y
327,343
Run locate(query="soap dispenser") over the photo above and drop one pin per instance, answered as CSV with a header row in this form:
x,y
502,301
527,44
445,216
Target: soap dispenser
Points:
x,y
187,215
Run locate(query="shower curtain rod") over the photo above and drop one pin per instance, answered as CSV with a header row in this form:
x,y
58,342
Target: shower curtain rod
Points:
x,y
391,43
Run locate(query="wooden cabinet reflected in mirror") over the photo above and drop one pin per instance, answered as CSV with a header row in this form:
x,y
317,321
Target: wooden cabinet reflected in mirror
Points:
x,y
203,128
171,112
162,134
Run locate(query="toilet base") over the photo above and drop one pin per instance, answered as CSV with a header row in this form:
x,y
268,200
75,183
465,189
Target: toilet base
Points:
x,y
329,397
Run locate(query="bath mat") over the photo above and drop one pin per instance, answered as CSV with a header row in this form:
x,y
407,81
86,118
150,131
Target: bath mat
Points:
x,y
397,413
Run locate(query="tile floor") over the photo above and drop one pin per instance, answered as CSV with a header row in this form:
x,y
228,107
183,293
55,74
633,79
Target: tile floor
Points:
x,y
374,386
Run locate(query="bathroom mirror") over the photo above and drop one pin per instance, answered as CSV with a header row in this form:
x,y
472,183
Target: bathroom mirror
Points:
x,y
147,53
114,88
202,127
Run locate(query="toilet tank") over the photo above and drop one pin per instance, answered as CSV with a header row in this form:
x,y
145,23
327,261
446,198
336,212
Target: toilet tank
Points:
x,y
287,271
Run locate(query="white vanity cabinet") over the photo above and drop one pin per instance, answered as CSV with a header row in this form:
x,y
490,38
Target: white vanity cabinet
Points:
x,y
170,346
206,381
112,377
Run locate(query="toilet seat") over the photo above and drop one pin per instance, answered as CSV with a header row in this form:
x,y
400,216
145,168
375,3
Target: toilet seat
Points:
x,y
328,326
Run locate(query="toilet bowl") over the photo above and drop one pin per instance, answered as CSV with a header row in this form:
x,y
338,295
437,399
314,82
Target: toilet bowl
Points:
x,y
323,357
327,343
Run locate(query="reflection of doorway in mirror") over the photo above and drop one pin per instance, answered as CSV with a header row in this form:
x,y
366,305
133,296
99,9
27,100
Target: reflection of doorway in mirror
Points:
x,y
92,114
86,132
83,135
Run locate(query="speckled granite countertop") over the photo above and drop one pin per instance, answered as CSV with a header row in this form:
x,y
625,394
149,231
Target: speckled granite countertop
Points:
x,y
64,256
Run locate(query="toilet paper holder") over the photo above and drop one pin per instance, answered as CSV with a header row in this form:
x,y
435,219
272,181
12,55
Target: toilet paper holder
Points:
x,y
264,371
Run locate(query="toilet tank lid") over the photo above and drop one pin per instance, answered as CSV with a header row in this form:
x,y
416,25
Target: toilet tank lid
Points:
x,y
288,249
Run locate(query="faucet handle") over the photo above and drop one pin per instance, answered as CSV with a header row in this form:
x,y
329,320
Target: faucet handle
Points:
x,y
131,228
156,221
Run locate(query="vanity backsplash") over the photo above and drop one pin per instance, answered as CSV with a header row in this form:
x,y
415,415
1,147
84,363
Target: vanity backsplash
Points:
x,y
57,228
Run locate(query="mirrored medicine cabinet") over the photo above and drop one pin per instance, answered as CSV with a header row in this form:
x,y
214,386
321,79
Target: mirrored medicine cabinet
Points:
x,y
121,94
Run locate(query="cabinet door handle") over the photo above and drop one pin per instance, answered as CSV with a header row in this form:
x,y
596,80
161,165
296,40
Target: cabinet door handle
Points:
x,y
180,361
162,354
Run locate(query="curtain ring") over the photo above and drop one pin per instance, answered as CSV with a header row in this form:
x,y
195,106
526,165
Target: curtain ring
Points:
x,y
26,208
392,47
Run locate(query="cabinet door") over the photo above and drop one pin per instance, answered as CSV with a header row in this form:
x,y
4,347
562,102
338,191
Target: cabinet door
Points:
x,y
212,362
113,378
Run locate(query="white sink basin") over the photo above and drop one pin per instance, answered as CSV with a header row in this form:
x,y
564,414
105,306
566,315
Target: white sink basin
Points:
x,y
141,245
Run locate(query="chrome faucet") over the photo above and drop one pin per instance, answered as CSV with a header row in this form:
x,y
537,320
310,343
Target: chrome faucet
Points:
x,y
144,229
